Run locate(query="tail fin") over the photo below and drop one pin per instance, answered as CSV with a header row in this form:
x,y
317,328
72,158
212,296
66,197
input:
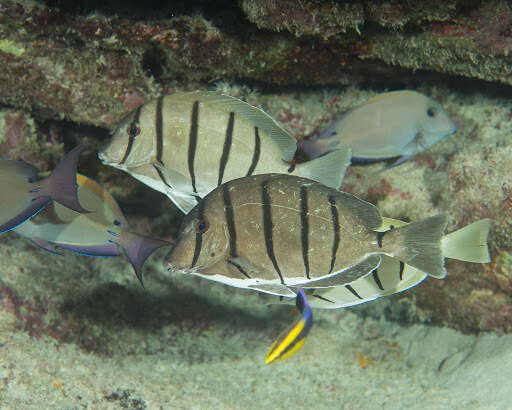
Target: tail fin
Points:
x,y
469,243
315,147
61,185
329,169
138,248
419,244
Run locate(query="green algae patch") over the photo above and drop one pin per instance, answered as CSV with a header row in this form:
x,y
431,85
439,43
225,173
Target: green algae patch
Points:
x,y
10,47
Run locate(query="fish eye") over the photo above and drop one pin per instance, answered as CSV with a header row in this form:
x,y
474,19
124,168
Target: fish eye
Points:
x,y
431,112
117,222
202,226
134,130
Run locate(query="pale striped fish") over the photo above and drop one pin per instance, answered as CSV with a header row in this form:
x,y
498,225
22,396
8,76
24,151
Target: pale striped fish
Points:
x,y
187,144
395,124
99,233
23,194
393,276
272,232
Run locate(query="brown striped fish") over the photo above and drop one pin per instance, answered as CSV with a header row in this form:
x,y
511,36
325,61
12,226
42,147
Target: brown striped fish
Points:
x,y
393,276
187,144
271,232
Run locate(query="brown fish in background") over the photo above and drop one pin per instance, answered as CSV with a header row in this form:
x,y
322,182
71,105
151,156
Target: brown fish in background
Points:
x,y
270,232
23,195
186,144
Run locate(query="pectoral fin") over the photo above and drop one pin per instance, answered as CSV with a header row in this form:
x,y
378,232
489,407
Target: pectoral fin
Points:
x,y
346,276
245,267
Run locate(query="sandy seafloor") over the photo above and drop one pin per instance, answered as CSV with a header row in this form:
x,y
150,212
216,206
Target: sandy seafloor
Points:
x,y
349,361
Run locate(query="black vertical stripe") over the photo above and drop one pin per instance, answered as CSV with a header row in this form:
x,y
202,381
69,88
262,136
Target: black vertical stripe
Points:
x,y
401,273
159,172
268,226
336,230
353,291
192,142
227,146
159,130
131,137
199,235
304,228
376,278
230,219
256,153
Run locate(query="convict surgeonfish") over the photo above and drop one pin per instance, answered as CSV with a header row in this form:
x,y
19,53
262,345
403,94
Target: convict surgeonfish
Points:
x,y
396,124
293,338
187,144
24,195
98,233
393,276
275,232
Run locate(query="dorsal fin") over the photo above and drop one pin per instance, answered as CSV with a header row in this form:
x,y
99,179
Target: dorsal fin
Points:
x,y
368,213
287,143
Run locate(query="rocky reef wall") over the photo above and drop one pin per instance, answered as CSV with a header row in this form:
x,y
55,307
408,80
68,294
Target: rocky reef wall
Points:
x,y
69,73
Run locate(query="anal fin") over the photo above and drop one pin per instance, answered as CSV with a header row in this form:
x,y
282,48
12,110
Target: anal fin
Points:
x,y
274,289
363,268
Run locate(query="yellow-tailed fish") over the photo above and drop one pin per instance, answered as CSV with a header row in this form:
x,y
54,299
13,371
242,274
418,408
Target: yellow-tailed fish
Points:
x,y
272,232
98,233
187,144
293,338
396,124
23,195
393,276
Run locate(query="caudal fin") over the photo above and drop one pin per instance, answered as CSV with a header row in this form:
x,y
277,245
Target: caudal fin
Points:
x,y
138,248
469,243
329,169
419,244
315,148
61,185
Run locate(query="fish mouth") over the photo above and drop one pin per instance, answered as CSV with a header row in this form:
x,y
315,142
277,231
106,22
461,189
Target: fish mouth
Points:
x,y
175,268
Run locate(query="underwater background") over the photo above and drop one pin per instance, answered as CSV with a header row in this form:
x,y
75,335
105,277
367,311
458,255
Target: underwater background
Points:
x,y
80,332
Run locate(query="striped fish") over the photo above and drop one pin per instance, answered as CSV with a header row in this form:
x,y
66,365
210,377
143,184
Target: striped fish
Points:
x,y
396,124
187,144
393,276
98,233
271,232
293,338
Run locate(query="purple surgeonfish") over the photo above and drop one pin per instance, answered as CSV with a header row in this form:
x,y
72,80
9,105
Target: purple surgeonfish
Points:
x,y
99,233
395,124
23,195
